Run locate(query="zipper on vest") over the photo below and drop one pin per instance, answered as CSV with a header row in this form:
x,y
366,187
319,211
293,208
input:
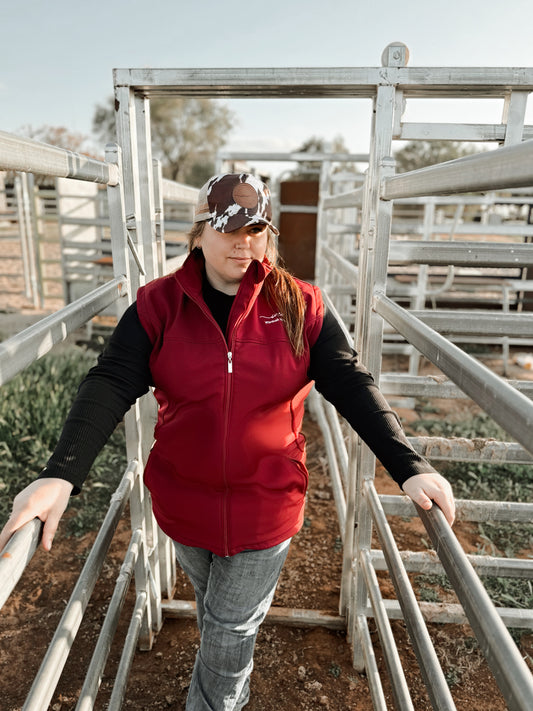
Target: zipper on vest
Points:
x,y
230,362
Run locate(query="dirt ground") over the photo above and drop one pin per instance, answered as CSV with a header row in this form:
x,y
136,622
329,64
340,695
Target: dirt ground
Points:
x,y
304,669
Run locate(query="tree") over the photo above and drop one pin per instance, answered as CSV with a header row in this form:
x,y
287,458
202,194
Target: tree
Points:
x,y
419,154
56,136
186,134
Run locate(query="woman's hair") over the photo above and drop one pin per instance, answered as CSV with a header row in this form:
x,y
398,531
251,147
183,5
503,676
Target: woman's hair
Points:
x,y
281,290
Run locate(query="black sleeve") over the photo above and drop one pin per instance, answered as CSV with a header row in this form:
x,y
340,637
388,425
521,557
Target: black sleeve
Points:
x,y
121,375
347,384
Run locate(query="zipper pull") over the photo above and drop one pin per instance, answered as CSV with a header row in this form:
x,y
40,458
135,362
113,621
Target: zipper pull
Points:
x,y
230,363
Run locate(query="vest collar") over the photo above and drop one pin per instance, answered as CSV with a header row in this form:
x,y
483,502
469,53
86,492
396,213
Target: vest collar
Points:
x,y
190,276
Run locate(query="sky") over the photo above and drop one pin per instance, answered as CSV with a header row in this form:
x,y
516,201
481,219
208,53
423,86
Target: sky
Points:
x,y
57,58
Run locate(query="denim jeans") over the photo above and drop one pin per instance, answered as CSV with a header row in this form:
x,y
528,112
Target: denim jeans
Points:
x,y
232,597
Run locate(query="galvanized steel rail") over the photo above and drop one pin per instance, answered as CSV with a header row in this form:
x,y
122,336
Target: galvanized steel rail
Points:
x,y
509,408
26,155
510,670
430,668
500,169
54,661
17,352
16,556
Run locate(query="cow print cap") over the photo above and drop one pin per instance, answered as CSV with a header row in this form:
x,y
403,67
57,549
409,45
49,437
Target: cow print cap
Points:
x,y
234,200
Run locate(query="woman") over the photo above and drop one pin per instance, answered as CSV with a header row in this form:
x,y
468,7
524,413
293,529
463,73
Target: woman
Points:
x,y
231,344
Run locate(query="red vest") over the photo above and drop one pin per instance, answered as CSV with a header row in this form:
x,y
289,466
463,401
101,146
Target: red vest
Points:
x,y
227,469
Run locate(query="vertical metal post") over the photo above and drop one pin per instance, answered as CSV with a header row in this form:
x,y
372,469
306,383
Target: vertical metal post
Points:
x,y
127,137
37,230
514,111
27,182
321,270
375,236
167,556
419,301
144,165
117,223
22,234
123,264
133,128
159,221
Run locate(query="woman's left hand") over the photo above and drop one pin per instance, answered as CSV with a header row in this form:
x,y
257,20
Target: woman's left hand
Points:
x,y
423,489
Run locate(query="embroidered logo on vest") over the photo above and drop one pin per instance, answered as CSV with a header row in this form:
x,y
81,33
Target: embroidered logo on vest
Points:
x,y
274,318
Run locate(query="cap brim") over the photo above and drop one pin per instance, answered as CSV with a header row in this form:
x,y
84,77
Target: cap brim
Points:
x,y
238,221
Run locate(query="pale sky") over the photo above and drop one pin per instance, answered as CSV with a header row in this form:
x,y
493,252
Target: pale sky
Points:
x,y
57,58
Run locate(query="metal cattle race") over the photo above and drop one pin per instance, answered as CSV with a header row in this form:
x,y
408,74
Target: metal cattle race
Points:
x,y
355,256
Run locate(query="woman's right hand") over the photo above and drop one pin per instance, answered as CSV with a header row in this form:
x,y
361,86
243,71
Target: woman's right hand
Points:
x,y
46,499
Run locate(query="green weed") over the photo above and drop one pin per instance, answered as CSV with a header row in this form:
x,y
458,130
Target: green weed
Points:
x,y
33,407
492,482
335,670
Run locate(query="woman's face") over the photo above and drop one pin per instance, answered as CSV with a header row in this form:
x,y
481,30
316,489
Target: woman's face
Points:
x,y
229,254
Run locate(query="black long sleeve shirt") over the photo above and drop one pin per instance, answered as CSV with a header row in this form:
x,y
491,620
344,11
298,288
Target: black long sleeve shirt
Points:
x,y
122,375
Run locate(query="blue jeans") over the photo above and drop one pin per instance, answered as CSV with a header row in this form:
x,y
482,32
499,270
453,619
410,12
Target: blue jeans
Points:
x,y
232,598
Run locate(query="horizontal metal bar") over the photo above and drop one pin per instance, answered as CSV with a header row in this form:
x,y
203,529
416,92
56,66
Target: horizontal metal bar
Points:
x,y
420,386
400,228
460,254
101,245
443,613
82,221
178,192
427,562
478,323
519,196
500,169
437,386
93,677
302,82
297,157
28,156
508,407
353,198
503,657
52,665
457,132
276,615
299,209
428,662
404,226
336,228
16,555
17,352
478,450
467,509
